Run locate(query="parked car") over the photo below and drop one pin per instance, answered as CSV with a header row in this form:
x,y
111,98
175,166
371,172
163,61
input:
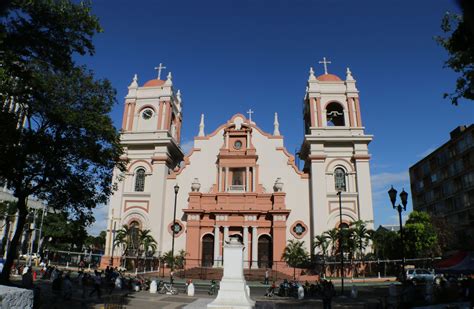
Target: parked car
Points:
x,y
419,275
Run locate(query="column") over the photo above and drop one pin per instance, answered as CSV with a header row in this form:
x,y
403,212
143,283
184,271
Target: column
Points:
x,y
254,247
254,179
224,241
226,188
247,179
245,233
226,234
216,246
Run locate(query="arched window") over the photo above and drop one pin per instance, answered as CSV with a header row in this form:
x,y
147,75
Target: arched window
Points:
x,y
134,228
335,115
340,179
140,180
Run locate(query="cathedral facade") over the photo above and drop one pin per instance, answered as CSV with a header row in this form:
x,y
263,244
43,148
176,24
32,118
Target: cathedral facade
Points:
x,y
237,180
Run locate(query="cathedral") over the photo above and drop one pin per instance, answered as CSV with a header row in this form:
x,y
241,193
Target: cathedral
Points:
x,y
238,180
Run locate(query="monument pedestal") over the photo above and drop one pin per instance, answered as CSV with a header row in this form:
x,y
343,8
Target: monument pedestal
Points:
x,y
233,292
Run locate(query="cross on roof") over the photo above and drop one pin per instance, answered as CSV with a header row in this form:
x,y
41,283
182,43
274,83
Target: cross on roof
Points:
x,y
159,68
250,112
325,63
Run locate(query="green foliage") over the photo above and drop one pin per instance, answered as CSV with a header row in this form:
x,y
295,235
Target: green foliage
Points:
x,y
61,145
420,236
65,233
134,241
321,242
361,237
459,43
96,242
295,253
386,244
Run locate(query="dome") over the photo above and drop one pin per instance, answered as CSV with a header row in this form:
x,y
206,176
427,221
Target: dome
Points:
x,y
329,78
154,83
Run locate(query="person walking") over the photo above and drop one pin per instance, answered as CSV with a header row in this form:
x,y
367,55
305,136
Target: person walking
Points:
x,y
327,293
97,284
266,277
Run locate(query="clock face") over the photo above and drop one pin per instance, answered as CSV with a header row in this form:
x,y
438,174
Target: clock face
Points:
x,y
238,145
147,114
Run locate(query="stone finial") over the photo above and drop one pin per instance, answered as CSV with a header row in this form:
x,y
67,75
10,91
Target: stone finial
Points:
x,y
201,126
195,185
134,83
311,74
278,186
276,126
169,79
349,74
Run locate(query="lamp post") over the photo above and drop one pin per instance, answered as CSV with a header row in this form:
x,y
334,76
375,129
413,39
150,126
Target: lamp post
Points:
x,y
341,247
173,230
392,193
340,181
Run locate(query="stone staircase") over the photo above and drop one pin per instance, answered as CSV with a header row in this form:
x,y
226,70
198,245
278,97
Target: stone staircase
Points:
x,y
210,273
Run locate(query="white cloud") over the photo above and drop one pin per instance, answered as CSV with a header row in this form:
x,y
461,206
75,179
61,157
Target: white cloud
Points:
x,y
100,224
383,180
187,146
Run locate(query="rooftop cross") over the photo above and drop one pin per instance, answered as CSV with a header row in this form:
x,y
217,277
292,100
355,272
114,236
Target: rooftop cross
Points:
x,y
159,68
250,112
325,63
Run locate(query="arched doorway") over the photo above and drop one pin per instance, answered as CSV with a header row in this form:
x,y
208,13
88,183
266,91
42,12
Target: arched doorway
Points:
x,y
207,256
265,251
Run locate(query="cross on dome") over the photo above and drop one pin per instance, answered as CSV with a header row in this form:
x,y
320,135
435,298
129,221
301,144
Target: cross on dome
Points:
x,y
159,68
325,63
250,112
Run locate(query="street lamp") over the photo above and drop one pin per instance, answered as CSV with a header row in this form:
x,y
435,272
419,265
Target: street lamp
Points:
x,y
174,228
392,193
340,180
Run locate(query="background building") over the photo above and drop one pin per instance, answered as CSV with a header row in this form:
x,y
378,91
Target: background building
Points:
x,y
442,184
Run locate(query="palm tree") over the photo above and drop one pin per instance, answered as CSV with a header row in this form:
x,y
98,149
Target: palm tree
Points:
x,y
123,239
180,259
147,243
322,242
295,255
333,238
362,236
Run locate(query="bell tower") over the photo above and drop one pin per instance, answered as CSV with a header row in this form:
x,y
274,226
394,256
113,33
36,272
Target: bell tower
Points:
x,y
150,135
335,152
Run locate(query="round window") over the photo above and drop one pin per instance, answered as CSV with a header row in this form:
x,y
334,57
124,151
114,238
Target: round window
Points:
x,y
238,145
147,114
176,228
299,229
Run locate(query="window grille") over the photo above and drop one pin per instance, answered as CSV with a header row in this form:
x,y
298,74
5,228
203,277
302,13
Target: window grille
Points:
x,y
140,180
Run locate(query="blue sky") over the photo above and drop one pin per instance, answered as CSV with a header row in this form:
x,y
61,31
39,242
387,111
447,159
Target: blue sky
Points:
x,y
231,55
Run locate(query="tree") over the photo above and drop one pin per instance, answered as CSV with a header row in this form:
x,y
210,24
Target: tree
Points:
x,y
361,236
386,244
7,213
333,237
123,239
147,244
295,255
420,236
59,143
65,232
460,45
321,242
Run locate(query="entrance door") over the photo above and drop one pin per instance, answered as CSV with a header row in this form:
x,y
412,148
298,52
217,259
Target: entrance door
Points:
x,y
207,250
265,250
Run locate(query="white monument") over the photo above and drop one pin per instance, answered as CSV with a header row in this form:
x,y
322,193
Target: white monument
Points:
x,y
233,291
